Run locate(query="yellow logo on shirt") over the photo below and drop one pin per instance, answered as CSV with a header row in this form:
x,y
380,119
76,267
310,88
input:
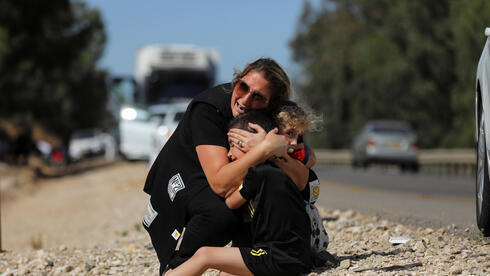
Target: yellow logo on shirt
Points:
x,y
259,252
251,208
316,191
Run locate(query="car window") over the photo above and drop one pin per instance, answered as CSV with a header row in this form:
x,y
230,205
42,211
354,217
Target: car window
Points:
x,y
161,116
178,116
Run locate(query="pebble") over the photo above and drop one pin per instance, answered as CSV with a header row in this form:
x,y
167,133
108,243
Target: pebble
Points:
x,y
345,264
361,242
455,270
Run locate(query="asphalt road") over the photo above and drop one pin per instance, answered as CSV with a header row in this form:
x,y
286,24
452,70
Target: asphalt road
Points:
x,y
416,199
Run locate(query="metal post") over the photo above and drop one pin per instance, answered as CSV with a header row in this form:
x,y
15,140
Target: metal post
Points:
x,y
1,250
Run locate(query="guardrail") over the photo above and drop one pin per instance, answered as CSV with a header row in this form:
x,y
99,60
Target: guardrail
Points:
x,y
439,161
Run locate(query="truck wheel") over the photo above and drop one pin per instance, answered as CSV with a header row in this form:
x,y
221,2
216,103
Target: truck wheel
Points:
x,y
482,182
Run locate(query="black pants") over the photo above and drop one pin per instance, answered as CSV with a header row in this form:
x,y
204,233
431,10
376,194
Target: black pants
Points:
x,y
210,223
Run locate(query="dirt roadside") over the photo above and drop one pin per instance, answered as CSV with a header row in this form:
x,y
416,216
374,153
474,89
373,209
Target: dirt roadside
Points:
x,y
79,210
89,224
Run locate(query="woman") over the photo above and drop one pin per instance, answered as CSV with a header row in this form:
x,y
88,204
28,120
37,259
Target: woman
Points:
x,y
192,173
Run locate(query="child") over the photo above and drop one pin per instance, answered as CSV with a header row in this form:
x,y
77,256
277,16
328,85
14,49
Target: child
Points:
x,y
293,121
279,227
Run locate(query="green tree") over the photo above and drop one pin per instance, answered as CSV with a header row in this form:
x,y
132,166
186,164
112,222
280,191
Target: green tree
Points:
x,y
408,60
48,55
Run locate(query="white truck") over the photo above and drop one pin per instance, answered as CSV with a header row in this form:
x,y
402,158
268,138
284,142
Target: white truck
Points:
x,y
163,75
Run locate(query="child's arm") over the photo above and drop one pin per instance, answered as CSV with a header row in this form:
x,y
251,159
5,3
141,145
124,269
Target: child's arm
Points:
x,y
246,191
234,200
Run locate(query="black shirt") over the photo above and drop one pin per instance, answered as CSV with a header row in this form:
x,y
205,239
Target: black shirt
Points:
x,y
205,122
176,176
279,220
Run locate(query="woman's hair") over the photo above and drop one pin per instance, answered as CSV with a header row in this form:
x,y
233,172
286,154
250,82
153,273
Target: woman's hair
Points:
x,y
259,117
278,79
288,113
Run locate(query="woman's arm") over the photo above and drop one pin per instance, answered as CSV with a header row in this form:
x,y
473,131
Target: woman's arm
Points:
x,y
312,158
224,176
296,170
293,168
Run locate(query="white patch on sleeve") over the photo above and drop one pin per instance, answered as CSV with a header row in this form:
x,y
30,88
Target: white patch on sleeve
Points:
x,y
175,184
319,237
175,234
314,190
150,216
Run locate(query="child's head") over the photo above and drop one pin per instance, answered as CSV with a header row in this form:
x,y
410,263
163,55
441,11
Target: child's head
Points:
x,y
292,121
259,117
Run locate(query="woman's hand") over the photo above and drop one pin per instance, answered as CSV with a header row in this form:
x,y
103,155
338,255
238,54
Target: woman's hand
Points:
x,y
277,145
245,139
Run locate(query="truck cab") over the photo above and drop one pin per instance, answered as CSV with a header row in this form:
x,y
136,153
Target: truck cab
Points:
x,y
164,73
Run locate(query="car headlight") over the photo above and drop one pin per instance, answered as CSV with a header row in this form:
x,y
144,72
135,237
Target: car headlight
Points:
x,y
128,113
163,131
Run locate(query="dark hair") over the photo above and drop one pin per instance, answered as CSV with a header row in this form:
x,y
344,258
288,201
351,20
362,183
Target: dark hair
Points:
x,y
259,117
278,79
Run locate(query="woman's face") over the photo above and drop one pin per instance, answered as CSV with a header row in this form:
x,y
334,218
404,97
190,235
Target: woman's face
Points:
x,y
251,92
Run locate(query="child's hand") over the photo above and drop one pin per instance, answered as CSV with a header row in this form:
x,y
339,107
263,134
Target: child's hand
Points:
x,y
245,139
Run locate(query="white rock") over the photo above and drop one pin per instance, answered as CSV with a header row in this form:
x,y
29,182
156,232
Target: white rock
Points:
x,y
455,270
344,264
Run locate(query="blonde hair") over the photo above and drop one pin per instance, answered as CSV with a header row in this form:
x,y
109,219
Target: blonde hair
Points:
x,y
289,113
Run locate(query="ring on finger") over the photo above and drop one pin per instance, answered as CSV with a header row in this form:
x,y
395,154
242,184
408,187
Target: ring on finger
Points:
x,y
240,143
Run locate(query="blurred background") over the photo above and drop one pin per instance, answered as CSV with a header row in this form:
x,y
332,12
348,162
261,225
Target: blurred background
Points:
x,y
86,83
67,65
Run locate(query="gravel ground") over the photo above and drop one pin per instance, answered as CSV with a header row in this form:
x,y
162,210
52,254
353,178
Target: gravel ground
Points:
x,y
88,224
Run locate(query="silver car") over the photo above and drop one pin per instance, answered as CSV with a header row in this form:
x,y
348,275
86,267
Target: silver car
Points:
x,y
388,142
482,110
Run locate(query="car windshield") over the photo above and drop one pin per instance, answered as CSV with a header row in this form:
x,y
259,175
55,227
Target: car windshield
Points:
x,y
84,134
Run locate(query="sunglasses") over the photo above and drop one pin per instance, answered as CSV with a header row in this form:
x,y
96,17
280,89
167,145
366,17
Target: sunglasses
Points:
x,y
244,88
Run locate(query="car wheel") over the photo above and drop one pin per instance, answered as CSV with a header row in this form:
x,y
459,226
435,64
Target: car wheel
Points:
x,y
409,167
355,163
365,164
482,182
415,167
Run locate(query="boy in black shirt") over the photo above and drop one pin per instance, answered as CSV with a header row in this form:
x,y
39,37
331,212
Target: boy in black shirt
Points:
x,y
279,227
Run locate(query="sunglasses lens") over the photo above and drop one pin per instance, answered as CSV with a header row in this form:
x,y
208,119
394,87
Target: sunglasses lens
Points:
x,y
243,87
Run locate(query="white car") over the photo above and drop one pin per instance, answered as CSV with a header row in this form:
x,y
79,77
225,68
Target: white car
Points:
x,y
482,108
88,143
169,116
135,127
